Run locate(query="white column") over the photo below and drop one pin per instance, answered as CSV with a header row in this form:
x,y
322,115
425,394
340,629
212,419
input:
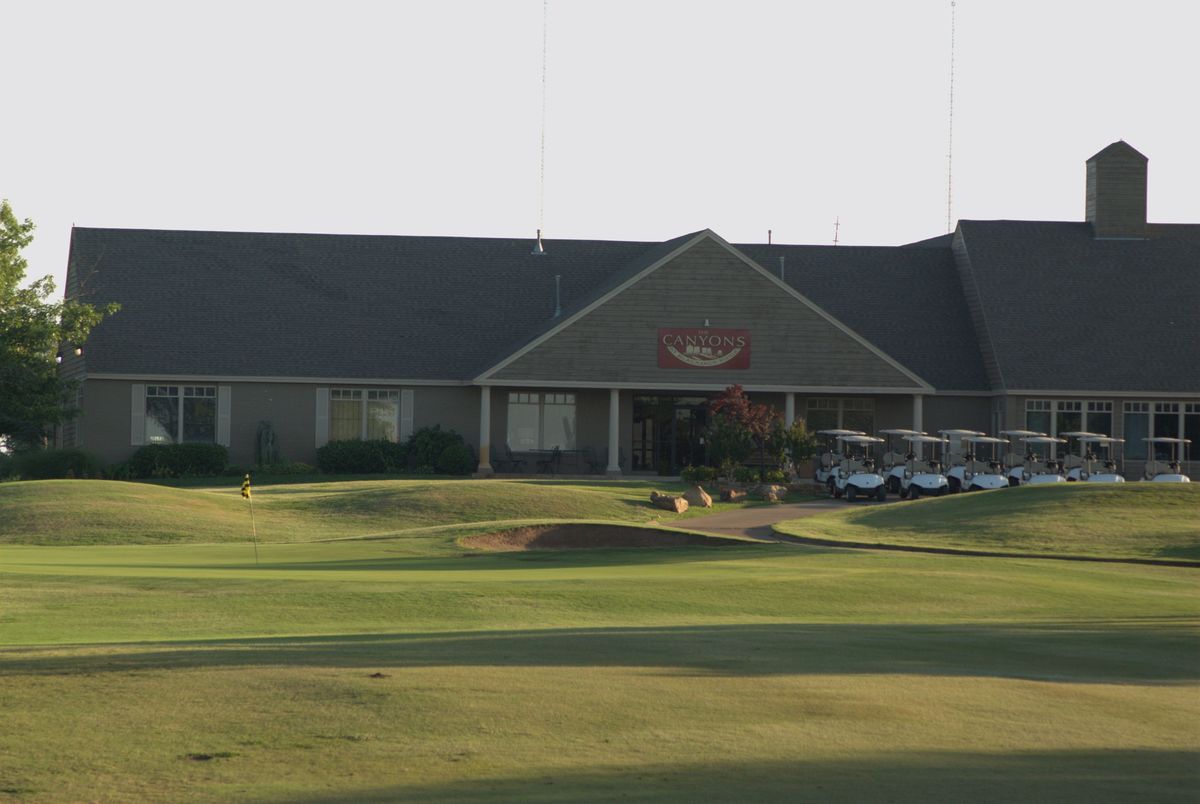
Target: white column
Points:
x,y
614,433
789,408
485,432
918,413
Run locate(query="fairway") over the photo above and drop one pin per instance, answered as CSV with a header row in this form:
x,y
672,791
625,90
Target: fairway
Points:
x,y
411,668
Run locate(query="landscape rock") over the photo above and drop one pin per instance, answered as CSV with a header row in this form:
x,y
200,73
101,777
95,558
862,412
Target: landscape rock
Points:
x,y
668,502
732,495
770,492
698,496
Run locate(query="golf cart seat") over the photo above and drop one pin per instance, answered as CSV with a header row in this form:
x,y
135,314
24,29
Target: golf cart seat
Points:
x,y
1071,460
854,465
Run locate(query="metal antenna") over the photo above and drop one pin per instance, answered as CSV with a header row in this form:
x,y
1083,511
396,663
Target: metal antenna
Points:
x,y
950,136
542,154
837,224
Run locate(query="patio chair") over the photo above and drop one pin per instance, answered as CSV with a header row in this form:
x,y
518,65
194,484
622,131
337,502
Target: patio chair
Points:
x,y
549,464
517,464
594,462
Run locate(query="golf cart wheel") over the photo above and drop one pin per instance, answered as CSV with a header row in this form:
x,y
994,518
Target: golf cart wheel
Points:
x,y
914,492
833,492
851,493
942,491
894,485
1013,482
881,493
903,493
955,485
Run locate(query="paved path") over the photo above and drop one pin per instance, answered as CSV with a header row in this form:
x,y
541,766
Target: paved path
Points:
x,y
756,522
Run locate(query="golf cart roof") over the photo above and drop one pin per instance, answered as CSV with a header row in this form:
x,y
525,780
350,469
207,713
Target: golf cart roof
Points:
x,y
900,432
1168,440
986,440
840,432
1021,433
1079,434
960,433
1099,439
1043,439
859,438
924,439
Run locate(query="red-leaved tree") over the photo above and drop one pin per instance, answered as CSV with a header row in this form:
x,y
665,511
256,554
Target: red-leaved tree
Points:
x,y
758,420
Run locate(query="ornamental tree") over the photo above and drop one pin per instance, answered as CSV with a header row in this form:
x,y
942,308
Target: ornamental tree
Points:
x,y
733,410
33,397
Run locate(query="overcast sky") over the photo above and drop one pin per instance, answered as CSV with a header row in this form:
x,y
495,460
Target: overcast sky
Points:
x,y
662,117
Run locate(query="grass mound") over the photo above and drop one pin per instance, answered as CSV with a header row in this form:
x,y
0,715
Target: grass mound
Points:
x,y
1133,520
60,512
589,537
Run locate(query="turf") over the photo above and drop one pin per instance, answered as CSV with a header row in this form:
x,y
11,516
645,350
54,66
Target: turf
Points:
x,y
1132,520
108,512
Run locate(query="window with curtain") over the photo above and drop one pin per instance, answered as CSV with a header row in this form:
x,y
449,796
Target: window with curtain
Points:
x,y
355,413
345,414
383,415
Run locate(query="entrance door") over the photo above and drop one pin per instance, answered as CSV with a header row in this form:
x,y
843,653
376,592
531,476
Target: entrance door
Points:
x,y
668,433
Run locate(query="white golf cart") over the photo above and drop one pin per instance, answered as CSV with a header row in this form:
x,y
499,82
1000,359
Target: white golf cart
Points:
x,y
1013,460
1072,454
983,473
956,457
827,462
895,457
1098,460
855,476
1171,469
1039,472
923,476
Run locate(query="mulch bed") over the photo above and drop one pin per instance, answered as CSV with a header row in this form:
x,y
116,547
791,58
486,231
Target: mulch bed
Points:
x,y
584,537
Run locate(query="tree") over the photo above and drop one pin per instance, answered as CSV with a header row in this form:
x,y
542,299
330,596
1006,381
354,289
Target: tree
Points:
x,y
732,409
33,397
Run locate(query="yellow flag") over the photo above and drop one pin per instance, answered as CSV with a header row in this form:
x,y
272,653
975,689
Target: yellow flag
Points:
x,y
246,488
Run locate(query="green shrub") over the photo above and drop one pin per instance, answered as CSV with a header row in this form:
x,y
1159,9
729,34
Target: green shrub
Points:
x,y
178,460
775,476
424,470
355,457
6,465
426,445
455,460
288,468
48,464
744,474
698,474
118,471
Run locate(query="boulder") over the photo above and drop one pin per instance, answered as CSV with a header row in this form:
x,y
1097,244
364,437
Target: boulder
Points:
x,y
769,492
668,502
732,495
696,495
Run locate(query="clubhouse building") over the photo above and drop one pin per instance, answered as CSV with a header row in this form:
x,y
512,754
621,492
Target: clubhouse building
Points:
x,y
608,350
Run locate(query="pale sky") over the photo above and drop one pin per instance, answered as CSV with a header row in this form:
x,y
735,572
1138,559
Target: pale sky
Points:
x,y
662,117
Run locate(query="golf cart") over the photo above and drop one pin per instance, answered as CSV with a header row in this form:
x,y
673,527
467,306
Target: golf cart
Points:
x,y
1171,469
827,462
856,474
921,476
978,474
1015,461
1093,450
1072,454
895,457
1038,472
956,457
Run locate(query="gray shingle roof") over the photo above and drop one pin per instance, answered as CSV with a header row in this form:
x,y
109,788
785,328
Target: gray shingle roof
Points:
x,y
1066,311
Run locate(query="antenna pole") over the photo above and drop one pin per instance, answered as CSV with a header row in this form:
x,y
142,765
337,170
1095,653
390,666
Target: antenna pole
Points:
x,y
837,224
950,135
542,153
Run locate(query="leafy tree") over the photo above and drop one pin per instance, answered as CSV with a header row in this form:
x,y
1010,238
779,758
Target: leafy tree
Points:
x,y
795,444
33,397
733,410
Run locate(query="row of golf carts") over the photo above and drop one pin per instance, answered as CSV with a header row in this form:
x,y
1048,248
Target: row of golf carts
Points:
x,y
916,464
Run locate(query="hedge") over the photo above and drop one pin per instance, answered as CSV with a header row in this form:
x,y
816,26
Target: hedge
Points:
x,y
354,457
178,460
48,464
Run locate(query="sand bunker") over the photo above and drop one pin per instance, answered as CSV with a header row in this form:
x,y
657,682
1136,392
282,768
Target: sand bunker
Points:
x,y
584,537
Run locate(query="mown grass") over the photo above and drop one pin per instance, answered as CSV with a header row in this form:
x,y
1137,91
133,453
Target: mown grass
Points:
x,y
109,512
1132,520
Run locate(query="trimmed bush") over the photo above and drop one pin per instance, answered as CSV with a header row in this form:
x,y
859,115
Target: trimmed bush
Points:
x,y
178,460
356,457
288,468
425,446
49,464
744,474
777,476
455,459
696,475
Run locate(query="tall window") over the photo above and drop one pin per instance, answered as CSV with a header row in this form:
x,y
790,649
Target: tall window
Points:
x,y
1099,418
846,414
541,421
175,417
1038,415
355,413
1191,425
1166,425
1137,427
1068,416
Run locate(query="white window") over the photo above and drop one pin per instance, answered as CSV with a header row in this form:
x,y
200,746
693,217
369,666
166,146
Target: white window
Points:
x,y
854,413
355,413
541,421
181,414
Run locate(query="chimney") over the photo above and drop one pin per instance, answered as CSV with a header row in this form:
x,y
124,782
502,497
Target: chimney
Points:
x,y
1116,192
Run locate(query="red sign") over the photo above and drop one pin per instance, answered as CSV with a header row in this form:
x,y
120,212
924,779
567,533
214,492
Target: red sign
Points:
x,y
704,348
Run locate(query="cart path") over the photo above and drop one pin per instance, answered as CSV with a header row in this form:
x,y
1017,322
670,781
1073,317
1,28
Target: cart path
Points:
x,y
756,522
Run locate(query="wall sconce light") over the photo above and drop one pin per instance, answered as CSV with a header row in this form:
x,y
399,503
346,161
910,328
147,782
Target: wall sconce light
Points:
x,y
79,351
58,357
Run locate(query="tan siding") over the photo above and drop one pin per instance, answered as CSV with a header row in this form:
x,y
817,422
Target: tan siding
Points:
x,y
790,343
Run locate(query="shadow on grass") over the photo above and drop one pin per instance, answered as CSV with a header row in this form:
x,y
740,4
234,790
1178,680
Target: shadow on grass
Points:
x,y
1153,651
1042,776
